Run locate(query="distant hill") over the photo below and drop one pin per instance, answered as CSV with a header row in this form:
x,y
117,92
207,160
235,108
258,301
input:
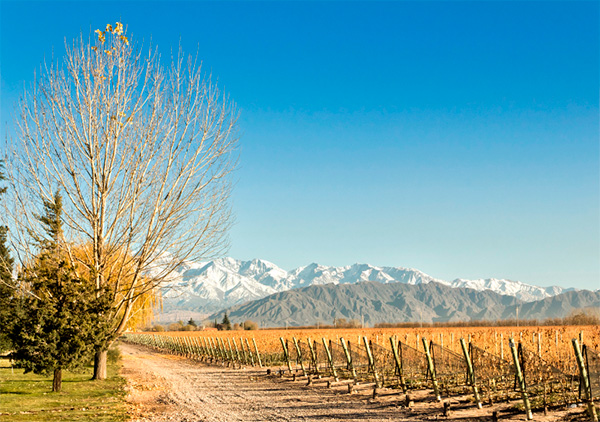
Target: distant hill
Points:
x,y
375,302
559,306
207,287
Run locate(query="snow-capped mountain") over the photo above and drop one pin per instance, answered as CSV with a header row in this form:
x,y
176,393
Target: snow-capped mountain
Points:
x,y
215,285
315,274
522,291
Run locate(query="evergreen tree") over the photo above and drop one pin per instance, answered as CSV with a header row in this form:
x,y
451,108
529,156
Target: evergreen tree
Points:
x,y
192,322
6,282
226,323
57,322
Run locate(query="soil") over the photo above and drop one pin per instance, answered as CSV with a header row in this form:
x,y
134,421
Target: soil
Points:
x,y
164,387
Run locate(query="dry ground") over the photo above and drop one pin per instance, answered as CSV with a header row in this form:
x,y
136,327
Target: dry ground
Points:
x,y
170,388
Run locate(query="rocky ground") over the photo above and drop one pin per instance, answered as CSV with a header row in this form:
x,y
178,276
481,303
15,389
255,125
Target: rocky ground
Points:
x,y
170,388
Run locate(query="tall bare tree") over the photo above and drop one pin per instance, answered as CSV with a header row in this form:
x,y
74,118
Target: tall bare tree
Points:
x,y
143,154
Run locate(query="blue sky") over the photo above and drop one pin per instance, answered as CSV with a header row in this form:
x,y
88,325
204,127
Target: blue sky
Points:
x,y
459,138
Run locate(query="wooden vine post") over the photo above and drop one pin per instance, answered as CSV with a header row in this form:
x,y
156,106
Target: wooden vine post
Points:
x,y
398,362
202,346
257,354
591,408
191,351
299,354
182,348
286,354
431,367
520,378
371,361
221,350
176,348
230,350
233,356
210,350
250,352
244,353
197,348
190,346
471,372
348,358
213,351
215,348
330,359
237,352
224,349
313,356
218,349
185,347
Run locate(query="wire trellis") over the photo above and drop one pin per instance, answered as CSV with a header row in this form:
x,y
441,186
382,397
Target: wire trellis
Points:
x,y
546,385
450,370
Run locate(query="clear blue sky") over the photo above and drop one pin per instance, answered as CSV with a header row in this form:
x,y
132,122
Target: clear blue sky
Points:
x,y
459,138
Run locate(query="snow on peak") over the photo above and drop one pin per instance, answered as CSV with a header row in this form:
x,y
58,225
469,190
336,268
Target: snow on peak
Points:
x,y
522,291
214,285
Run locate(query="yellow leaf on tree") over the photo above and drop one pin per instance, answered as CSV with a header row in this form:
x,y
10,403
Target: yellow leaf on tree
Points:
x,y
119,272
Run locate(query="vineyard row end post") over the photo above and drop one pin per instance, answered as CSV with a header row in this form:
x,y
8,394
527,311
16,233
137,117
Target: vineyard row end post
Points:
x,y
299,354
257,354
286,354
471,372
398,363
520,378
591,408
431,367
330,359
371,361
348,358
313,356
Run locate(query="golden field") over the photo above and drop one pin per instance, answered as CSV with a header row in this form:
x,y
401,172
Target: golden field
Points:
x,y
553,343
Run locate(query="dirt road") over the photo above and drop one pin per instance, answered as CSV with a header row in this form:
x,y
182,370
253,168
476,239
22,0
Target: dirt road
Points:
x,y
170,388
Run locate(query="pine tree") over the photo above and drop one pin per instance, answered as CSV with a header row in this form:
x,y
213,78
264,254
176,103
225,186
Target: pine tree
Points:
x,y
57,322
226,323
6,282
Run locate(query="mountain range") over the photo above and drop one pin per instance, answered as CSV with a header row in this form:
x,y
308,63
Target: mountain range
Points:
x,y
209,287
373,302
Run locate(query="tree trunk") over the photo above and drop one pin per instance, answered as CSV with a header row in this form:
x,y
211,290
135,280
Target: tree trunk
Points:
x,y
57,381
100,365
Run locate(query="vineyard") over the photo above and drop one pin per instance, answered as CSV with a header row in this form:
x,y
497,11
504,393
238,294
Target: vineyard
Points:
x,y
532,369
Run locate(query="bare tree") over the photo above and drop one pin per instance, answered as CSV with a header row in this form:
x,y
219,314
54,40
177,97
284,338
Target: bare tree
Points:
x,y
143,155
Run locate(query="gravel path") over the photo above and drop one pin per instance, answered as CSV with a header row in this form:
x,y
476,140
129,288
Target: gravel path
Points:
x,y
170,388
